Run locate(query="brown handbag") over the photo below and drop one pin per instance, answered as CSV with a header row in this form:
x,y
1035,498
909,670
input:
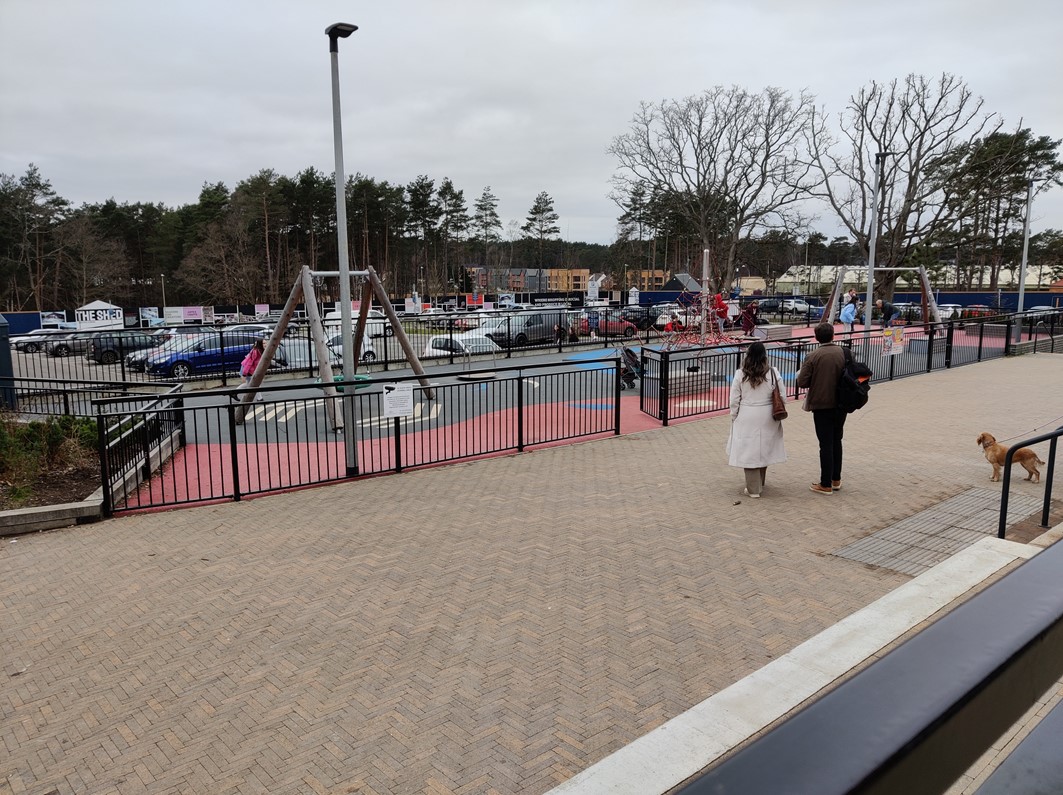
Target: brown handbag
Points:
x,y
778,407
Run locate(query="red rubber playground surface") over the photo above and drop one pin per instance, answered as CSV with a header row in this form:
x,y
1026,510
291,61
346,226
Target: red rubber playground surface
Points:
x,y
204,472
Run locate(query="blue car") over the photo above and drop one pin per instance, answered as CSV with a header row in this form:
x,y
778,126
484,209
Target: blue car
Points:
x,y
205,354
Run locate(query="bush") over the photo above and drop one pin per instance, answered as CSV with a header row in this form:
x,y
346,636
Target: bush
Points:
x,y
28,449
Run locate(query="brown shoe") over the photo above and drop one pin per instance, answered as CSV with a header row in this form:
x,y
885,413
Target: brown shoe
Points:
x,y
836,485
821,489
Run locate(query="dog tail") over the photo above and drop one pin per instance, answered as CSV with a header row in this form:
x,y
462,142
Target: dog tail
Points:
x,y
1038,460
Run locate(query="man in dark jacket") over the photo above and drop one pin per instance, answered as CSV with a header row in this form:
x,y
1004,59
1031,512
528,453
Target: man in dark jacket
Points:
x,y
819,375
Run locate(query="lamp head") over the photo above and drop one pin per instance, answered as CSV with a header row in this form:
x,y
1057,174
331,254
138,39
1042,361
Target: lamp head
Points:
x,y
340,30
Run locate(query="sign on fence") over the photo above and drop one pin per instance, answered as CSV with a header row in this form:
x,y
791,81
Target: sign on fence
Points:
x,y
398,400
892,341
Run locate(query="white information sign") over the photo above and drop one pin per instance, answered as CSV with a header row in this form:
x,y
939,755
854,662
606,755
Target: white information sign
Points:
x,y
398,400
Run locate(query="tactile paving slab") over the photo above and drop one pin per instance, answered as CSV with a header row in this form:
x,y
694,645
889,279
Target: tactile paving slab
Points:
x,y
918,542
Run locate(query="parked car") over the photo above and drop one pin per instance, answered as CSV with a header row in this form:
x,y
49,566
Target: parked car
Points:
x,y
107,347
1043,310
465,344
610,324
335,345
800,306
979,310
209,353
31,343
136,361
66,344
376,323
949,311
524,328
909,312
641,316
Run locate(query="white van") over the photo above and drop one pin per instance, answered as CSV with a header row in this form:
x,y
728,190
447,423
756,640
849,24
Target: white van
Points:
x,y
376,324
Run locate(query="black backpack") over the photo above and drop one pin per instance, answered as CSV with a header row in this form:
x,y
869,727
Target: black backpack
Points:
x,y
853,384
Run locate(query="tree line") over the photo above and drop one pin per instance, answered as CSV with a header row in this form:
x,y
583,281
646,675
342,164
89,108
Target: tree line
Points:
x,y
736,172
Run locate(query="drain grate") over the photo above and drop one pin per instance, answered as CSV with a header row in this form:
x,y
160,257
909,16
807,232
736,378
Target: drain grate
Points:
x,y
918,542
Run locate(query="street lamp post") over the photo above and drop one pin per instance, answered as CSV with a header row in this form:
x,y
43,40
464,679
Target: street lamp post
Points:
x,y
342,30
1025,254
880,159
163,277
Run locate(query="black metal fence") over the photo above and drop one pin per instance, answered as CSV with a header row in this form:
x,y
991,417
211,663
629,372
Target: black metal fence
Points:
x,y
692,381
198,450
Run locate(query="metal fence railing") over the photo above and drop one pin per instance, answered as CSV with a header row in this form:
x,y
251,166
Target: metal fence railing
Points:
x,y
199,450
692,381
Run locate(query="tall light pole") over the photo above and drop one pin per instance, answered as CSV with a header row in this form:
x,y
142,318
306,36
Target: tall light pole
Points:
x,y
342,30
163,277
1025,254
880,160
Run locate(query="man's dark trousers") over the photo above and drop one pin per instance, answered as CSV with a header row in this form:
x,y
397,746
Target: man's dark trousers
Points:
x,y
829,426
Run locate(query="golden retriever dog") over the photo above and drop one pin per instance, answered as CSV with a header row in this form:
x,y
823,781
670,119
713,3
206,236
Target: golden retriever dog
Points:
x,y
995,452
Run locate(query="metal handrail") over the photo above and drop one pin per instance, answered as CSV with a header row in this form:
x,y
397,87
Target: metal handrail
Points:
x,y
1006,483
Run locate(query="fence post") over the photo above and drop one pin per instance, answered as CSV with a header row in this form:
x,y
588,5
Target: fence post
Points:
x,y
224,369
981,337
233,458
662,400
107,506
520,413
950,336
1007,334
930,348
616,397
398,445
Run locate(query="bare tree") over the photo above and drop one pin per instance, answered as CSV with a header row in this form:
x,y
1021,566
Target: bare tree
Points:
x,y
90,266
726,160
918,121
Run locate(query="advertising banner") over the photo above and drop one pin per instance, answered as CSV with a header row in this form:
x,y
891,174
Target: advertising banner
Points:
x,y
173,315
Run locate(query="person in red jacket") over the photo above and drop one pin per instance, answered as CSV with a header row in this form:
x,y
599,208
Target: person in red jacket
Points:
x,y
719,307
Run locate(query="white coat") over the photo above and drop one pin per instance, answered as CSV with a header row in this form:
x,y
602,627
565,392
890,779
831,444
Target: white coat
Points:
x,y
756,439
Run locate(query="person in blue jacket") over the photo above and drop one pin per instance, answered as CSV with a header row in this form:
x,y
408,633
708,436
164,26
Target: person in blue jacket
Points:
x,y
848,315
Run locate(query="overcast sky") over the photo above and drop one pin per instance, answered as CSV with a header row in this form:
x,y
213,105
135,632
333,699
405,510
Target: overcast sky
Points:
x,y
145,101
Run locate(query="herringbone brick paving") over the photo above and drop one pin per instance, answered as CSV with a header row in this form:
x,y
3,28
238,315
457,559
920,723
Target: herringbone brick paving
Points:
x,y
489,627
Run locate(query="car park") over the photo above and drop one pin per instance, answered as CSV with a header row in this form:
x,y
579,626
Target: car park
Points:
x,y
465,344
108,347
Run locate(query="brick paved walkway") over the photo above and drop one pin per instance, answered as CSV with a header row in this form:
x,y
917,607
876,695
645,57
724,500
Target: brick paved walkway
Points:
x,y
494,626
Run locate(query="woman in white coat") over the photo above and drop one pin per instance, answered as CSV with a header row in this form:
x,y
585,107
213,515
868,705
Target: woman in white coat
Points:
x,y
756,439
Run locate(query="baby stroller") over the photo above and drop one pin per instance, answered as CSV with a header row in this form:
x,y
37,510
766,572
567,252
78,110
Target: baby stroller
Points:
x,y
630,368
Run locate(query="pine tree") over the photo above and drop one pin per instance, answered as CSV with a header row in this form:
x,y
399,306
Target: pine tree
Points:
x,y
541,223
486,224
